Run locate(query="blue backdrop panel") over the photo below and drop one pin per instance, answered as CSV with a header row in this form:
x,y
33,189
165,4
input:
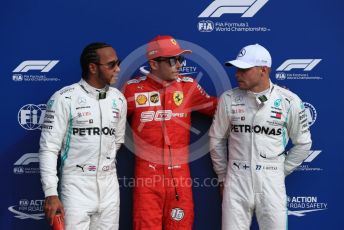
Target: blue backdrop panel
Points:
x,y
41,44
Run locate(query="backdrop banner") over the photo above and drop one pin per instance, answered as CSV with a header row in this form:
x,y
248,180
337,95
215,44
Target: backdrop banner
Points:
x,y
42,42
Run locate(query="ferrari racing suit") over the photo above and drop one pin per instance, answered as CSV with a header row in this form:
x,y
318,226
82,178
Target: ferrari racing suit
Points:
x,y
160,120
86,126
257,129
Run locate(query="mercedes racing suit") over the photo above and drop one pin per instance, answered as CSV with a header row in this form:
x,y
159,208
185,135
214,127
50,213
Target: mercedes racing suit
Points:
x,y
257,130
161,117
87,128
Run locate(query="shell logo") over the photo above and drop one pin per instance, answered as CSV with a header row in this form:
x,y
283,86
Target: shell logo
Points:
x,y
141,99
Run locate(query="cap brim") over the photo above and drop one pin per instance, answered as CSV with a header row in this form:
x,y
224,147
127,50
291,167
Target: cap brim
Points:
x,y
239,64
176,53
185,52
169,53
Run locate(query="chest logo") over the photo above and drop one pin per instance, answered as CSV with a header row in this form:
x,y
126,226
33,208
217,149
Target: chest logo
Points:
x,y
277,103
141,99
114,104
146,99
178,97
154,97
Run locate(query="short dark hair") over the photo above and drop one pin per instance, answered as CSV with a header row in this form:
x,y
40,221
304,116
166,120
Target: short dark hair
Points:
x,y
89,55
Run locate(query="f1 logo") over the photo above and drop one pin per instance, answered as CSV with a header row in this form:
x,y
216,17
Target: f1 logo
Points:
x,y
42,65
312,154
248,8
305,64
27,158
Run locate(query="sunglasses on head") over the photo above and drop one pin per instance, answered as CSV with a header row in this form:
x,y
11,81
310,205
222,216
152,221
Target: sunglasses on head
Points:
x,y
171,60
111,64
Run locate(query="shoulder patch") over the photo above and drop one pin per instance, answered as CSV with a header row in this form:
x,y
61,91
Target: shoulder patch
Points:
x,y
67,89
136,80
286,93
202,91
132,81
187,79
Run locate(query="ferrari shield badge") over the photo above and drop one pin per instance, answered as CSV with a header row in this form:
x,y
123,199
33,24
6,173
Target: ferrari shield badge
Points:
x,y
178,97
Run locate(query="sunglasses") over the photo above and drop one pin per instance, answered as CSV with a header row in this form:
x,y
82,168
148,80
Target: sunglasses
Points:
x,y
111,64
171,60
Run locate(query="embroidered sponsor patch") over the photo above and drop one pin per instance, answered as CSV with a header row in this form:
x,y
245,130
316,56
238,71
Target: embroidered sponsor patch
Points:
x,y
178,97
146,99
177,214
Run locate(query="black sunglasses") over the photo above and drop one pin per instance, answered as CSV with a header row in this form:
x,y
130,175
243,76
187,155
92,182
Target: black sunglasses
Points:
x,y
171,60
111,64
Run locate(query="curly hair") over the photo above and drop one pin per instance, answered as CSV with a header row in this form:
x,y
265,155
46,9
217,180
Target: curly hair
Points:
x,y
89,55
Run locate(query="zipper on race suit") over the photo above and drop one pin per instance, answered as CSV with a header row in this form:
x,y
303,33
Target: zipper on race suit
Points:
x,y
168,143
100,148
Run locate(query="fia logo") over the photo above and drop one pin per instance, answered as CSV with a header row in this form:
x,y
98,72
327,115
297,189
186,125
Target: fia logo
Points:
x,y
205,26
17,77
281,76
311,113
31,116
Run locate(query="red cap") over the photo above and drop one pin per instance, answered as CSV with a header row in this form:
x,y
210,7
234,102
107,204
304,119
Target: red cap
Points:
x,y
164,46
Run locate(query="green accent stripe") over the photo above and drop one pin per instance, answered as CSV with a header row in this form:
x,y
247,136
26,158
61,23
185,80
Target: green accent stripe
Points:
x,y
64,155
284,130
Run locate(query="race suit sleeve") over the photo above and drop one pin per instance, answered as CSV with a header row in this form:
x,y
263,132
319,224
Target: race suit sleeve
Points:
x,y
201,101
298,131
120,134
53,132
219,132
130,99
